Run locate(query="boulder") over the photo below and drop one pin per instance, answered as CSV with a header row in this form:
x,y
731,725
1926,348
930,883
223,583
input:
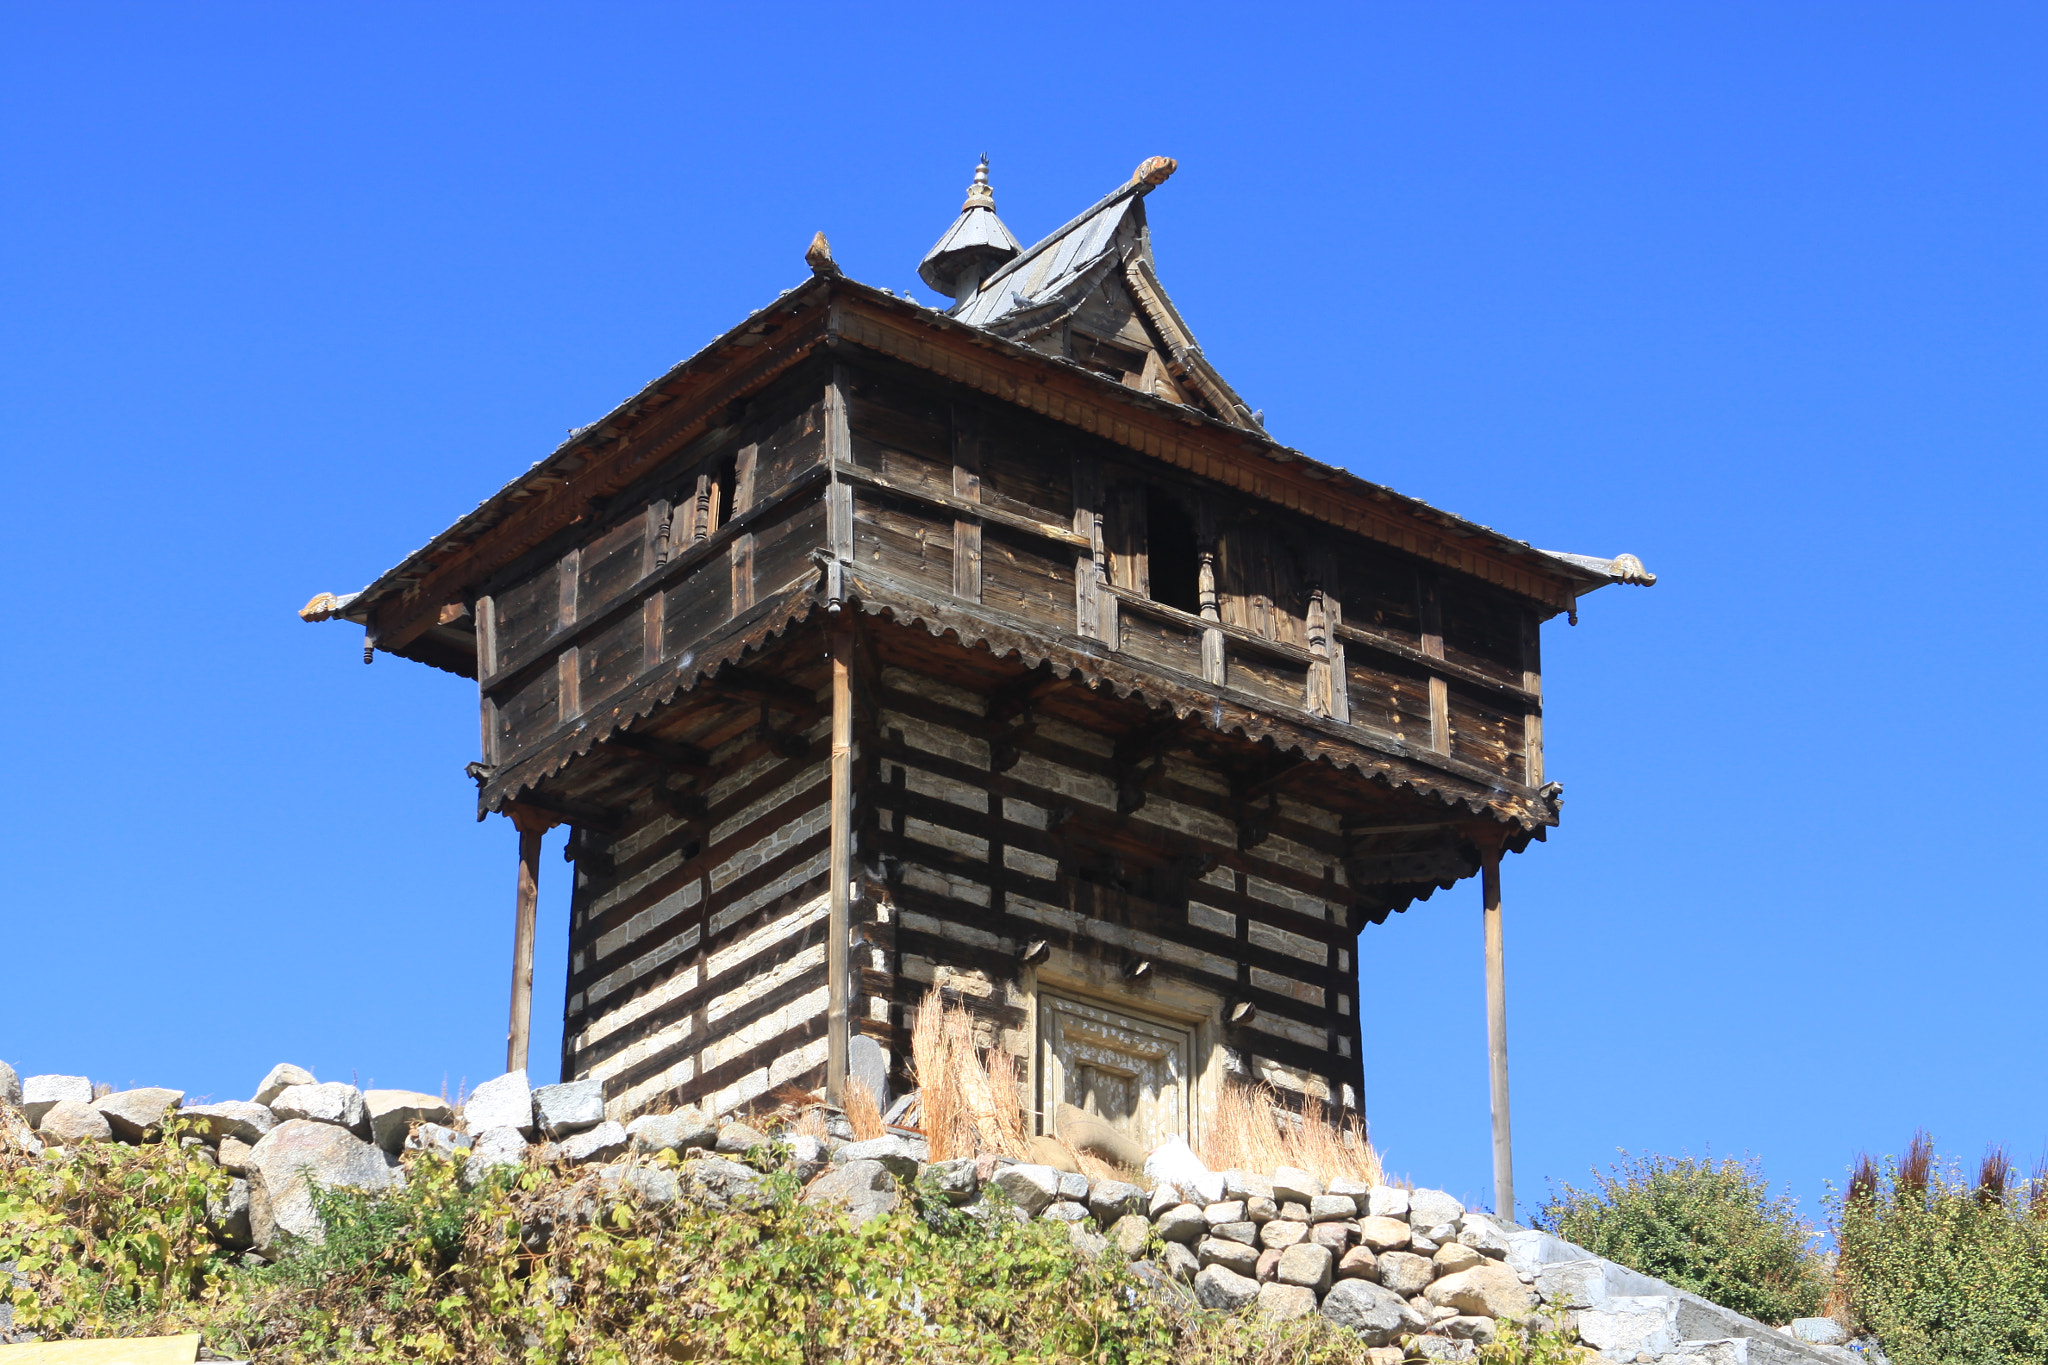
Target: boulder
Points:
x,y
503,1102
1332,1208
1066,1211
68,1122
1182,1223
1086,1239
1283,1302
1433,1208
1406,1273
863,1187
1110,1200
737,1139
1246,1232
40,1093
1387,1201
677,1132
1261,1208
1073,1186
1358,1264
1129,1234
282,1077
241,1119
904,1155
491,1151
334,1102
601,1143
1357,1190
1299,1186
723,1184
434,1137
1294,1211
1434,1347
1723,1351
1336,1236
1164,1197
233,1155
138,1115
1224,1290
1376,1313
1174,1162
227,1215
1245,1185
1625,1327
570,1107
1282,1233
1232,1256
1384,1233
10,1088
1029,1187
394,1112
1485,1234
1229,1211
1304,1263
959,1180
1269,1263
1480,1331
1490,1290
1180,1262
650,1186
284,1168
1454,1257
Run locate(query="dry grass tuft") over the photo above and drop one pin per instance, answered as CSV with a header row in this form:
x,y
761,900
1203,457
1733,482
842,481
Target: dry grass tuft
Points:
x,y
862,1112
1994,1176
969,1103
810,1123
1254,1131
1915,1169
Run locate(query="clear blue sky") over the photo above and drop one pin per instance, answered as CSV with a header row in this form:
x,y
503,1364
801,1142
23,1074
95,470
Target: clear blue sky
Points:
x,y
1754,291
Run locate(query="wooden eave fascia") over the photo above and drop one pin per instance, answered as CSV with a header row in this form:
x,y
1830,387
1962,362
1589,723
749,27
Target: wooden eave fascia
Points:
x,y
595,463
1203,445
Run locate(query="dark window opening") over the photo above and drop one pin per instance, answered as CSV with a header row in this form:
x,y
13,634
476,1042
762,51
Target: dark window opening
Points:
x,y
728,483
1174,552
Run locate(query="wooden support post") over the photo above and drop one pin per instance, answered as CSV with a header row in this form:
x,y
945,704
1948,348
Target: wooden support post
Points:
x,y
1497,1033
530,830
838,922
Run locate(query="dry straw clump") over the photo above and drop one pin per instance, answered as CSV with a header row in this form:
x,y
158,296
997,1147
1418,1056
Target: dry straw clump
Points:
x,y
968,1097
1254,1131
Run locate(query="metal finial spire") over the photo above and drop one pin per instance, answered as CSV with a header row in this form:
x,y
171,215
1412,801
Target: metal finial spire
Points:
x,y
979,195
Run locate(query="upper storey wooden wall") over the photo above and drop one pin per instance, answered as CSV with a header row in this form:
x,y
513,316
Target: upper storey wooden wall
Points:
x,y
936,492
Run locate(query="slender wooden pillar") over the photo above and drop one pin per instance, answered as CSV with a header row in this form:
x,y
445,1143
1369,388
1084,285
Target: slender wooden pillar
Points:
x,y
838,922
522,943
1497,1035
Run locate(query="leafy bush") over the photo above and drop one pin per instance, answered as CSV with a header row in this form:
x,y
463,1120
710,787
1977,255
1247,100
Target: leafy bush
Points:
x,y
1712,1227
114,1241
1941,1271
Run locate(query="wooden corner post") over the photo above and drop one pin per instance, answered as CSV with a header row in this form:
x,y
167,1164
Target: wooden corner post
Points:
x,y
531,826
838,926
1497,1032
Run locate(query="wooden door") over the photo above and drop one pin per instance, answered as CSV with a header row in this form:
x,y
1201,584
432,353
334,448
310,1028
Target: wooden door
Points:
x,y
1132,1072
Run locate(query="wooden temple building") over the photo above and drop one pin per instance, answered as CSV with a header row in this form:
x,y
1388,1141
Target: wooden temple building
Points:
x,y
993,646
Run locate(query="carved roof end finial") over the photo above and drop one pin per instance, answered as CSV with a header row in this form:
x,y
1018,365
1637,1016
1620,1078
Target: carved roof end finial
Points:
x,y
979,194
818,256
1153,171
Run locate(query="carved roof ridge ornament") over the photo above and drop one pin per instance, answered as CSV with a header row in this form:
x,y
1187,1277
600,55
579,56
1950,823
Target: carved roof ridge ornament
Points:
x,y
975,247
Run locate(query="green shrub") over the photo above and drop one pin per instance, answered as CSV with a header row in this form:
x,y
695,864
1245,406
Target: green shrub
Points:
x,y
1940,1271
1712,1227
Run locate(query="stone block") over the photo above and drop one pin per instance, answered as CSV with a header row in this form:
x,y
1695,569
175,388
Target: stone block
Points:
x,y
1434,1208
40,1093
602,1143
502,1102
723,1184
69,1122
1224,1290
1246,1232
1282,1302
1335,1236
1074,1186
1086,1239
1625,1327
1246,1185
1229,1211
1480,1331
233,1155
864,1188
435,1137
1065,1211
1181,1223
1358,1264
393,1112
1129,1234
958,1180
1453,1257
138,1115
1387,1201
1332,1208
10,1087
1269,1264
737,1139
1406,1273
228,1216
242,1119
904,1155
677,1132
284,1168
1485,1234
1180,1262
1434,1347
1383,1233
1261,1208
492,1150
1722,1351
1282,1233
1029,1187
1299,1186
1573,1284
1819,1331
1110,1200
1232,1256
1376,1313
867,1061
1488,1290
1294,1211
332,1102
1305,1263
1357,1190
282,1076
